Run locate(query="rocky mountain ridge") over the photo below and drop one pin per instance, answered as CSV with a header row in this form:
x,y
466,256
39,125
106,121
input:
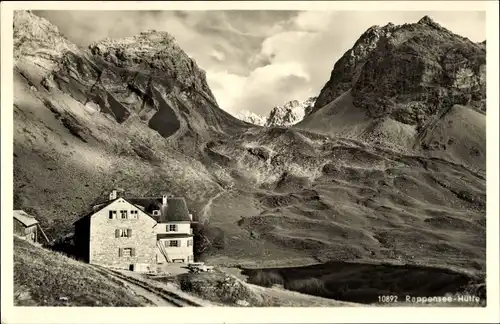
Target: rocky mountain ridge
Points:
x,y
393,54
396,85
147,76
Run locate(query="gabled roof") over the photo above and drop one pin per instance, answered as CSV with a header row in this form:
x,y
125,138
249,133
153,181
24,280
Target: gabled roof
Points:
x,y
177,210
25,219
101,206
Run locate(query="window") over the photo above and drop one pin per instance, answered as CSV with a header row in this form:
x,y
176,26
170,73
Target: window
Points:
x,y
121,232
171,228
123,214
156,212
190,258
112,214
133,214
173,243
190,242
126,252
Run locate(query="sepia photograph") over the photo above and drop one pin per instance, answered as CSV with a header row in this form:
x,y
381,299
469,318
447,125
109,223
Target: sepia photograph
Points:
x,y
240,157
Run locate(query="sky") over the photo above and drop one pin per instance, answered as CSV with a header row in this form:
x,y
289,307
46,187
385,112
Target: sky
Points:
x,y
255,60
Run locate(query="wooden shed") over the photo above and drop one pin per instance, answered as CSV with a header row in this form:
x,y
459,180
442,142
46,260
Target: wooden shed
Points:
x,y
25,225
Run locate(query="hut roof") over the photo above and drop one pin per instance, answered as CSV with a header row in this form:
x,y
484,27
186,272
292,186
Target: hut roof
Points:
x,y
25,219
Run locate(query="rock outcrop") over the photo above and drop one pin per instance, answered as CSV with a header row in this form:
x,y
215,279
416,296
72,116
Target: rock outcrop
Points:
x,y
347,68
37,39
409,72
420,70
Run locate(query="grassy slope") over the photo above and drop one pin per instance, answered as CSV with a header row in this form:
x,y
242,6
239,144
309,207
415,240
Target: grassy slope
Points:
x,y
319,199
42,276
459,135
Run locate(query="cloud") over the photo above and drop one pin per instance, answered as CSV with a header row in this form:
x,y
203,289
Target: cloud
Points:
x,y
261,89
257,59
217,55
227,88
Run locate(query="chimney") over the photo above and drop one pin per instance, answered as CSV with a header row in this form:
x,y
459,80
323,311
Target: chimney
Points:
x,y
190,217
112,195
163,210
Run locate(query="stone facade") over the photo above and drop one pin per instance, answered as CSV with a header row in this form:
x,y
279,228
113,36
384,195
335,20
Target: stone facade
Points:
x,y
129,231
119,241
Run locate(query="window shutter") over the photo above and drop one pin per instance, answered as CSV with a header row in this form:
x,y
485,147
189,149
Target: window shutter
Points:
x,y
120,253
129,232
132,252
117,232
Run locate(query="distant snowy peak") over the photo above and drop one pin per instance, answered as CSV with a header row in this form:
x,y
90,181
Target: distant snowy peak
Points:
x,y
290,113
286,115
250,117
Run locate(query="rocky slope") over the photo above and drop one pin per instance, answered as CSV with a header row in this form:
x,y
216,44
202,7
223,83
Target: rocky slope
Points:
x,y
114,115
281,116
397,81
346,70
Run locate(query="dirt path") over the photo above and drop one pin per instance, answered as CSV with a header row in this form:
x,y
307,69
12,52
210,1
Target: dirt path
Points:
x,y
157,296
206,210
154,299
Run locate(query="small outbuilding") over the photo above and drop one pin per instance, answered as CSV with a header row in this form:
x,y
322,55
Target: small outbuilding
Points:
x,y
25,226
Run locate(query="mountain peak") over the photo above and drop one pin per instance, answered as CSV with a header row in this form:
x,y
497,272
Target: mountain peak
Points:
x,y
426,20
146,45
390,42
156,52
35,36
